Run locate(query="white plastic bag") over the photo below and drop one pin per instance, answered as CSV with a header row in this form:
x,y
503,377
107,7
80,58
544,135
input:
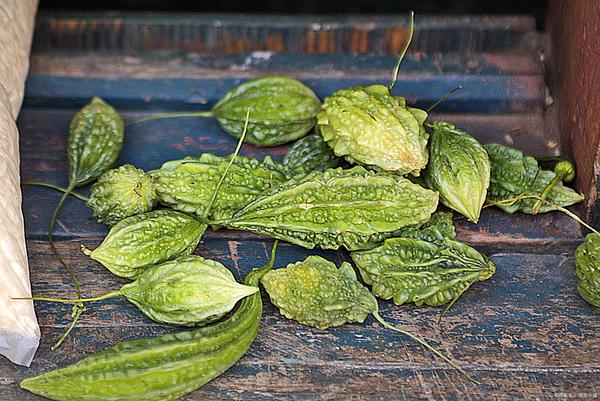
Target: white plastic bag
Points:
x,y
19,330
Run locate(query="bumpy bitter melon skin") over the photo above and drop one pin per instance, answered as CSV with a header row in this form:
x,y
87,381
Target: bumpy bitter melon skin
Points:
x,y
432,268
189,290
316,293
188,185
368,125
587,270
140,241
459,169
121,192
95,140
281,110
514,174
158,369
309,154
354,208
437,228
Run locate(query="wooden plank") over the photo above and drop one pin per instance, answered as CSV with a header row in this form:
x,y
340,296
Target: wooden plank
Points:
x,y
490,83
227,33
382,383
575,86
524,333
43,150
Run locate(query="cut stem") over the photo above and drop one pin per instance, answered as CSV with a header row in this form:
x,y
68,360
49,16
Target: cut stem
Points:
x,y
112,294
423,343
58,188
396,69
175,115
447,308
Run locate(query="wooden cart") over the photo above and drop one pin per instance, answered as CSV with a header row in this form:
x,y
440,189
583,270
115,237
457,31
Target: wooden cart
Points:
x,y
525,334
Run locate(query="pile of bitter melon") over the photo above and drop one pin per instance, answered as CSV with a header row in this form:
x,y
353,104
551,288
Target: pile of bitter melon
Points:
x,y
366,173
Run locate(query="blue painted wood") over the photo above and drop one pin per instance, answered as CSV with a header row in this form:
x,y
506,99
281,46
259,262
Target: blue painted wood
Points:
x,y
148,145
489,84
490,94
525,333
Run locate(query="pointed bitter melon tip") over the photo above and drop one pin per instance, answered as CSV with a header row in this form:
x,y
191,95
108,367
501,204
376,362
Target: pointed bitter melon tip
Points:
x,y
85,250
29,384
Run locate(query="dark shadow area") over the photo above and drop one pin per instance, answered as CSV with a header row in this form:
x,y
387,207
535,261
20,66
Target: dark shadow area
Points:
x,y
536,8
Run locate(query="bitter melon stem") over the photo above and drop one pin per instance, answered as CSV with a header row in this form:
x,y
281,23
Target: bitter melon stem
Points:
x,y
79,308
396,69
58,188
235,153
424,343
511,201
111,294
175,115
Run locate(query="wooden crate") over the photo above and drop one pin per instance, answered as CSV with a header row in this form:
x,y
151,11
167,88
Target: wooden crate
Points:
x,y
525,334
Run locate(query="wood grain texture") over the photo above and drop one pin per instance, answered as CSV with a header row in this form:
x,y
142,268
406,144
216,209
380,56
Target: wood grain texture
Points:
x,y
491,84
230,33
525,333
149,145
574,29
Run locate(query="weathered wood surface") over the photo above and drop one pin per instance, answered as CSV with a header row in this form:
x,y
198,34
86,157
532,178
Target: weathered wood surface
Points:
x,y
491,83
150,144
575,87
525,333
219,33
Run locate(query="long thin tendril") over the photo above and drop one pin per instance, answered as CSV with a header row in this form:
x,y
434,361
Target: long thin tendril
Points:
x,y
512,201
51,236
79,308
447,308
174,115
58,188
112,294
77,311
444,98
235,153
425,344
396,70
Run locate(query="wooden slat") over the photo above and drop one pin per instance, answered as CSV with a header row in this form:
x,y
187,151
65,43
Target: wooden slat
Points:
x,y
523,333
225,33
149,145
491,84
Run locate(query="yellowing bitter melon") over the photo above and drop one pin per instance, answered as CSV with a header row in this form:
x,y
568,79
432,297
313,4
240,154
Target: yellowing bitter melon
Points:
x,y
189,290
368,125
